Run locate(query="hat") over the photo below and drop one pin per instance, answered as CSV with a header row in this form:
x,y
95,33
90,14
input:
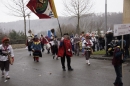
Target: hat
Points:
x,y
5,39
66,34
35,36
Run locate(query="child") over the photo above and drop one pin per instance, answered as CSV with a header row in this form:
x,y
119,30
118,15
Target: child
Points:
x,y
36,48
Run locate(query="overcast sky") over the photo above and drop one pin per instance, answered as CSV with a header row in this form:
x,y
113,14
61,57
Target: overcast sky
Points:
x,y
99,7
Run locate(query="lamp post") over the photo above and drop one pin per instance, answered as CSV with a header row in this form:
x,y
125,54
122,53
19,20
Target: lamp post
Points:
x,y
106,25
29,24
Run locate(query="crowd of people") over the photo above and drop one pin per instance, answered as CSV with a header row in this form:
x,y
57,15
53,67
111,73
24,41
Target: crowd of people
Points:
x,y
78,44
63,48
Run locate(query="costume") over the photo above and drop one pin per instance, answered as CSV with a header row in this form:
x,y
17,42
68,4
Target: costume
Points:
x,y
5,50
88,44
29,43
36,48
65,51
42,43
54,45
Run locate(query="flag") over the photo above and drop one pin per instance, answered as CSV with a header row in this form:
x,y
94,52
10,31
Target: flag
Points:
x,y
43,8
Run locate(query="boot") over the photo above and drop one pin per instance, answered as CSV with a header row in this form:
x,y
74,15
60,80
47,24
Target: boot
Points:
x,y
53,56
88,63
37,59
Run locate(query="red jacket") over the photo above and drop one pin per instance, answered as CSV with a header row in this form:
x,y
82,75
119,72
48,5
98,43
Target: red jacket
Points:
x,y
65,48
44,40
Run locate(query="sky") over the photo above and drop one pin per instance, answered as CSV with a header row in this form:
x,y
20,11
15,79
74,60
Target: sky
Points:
x,y
98,7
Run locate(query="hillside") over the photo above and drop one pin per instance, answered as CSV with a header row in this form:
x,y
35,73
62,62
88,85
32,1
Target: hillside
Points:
x,y
40,25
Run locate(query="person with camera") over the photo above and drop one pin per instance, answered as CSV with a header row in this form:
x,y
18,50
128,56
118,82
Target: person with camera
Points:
x,y
6,57
88,48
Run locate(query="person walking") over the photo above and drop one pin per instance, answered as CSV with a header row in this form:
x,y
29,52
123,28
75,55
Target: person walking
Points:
x,y
65,51
36,48
88,46
6,50
42,43
55,48
29,43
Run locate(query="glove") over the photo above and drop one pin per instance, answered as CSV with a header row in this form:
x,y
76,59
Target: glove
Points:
x,y
33,50
69,50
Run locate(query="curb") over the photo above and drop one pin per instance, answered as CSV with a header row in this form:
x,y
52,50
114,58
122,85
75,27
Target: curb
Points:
x,y
105,58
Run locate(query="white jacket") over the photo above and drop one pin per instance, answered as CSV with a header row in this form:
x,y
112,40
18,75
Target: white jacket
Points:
x,y
9,49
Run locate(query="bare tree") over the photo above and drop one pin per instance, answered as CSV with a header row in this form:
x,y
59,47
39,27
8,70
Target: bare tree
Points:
x,y
18,8
77,8
70,29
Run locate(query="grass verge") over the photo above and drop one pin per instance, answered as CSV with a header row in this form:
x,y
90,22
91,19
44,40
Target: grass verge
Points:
x,y
102,52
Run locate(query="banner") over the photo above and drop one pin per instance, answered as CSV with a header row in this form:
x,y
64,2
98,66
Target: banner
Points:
x,y
43,8
121,29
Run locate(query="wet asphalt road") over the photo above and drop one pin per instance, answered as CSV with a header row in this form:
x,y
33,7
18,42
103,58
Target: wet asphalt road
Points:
x,y
48,72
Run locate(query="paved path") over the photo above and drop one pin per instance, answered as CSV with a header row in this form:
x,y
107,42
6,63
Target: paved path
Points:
x,y
48,72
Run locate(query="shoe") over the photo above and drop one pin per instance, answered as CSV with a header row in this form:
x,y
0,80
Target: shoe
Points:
x,y
3,75
64,69
53,57
70,69
34,59
57,58
88,64
7,77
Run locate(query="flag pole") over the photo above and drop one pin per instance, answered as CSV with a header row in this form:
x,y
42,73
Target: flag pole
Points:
x,y
59,26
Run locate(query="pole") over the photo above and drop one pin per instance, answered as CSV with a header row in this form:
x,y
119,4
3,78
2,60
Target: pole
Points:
x,y
29,23
106,25
59,26
123,49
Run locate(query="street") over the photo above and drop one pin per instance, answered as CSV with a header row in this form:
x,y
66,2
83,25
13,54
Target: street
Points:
x,y
48,72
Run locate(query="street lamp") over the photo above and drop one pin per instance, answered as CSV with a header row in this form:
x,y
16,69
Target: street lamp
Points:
x,y
106,25
29,24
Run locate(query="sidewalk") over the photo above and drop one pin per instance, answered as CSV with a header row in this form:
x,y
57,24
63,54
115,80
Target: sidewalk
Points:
x,y
102,57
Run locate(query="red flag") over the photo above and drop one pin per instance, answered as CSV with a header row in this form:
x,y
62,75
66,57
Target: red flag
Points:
x,y
43,8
